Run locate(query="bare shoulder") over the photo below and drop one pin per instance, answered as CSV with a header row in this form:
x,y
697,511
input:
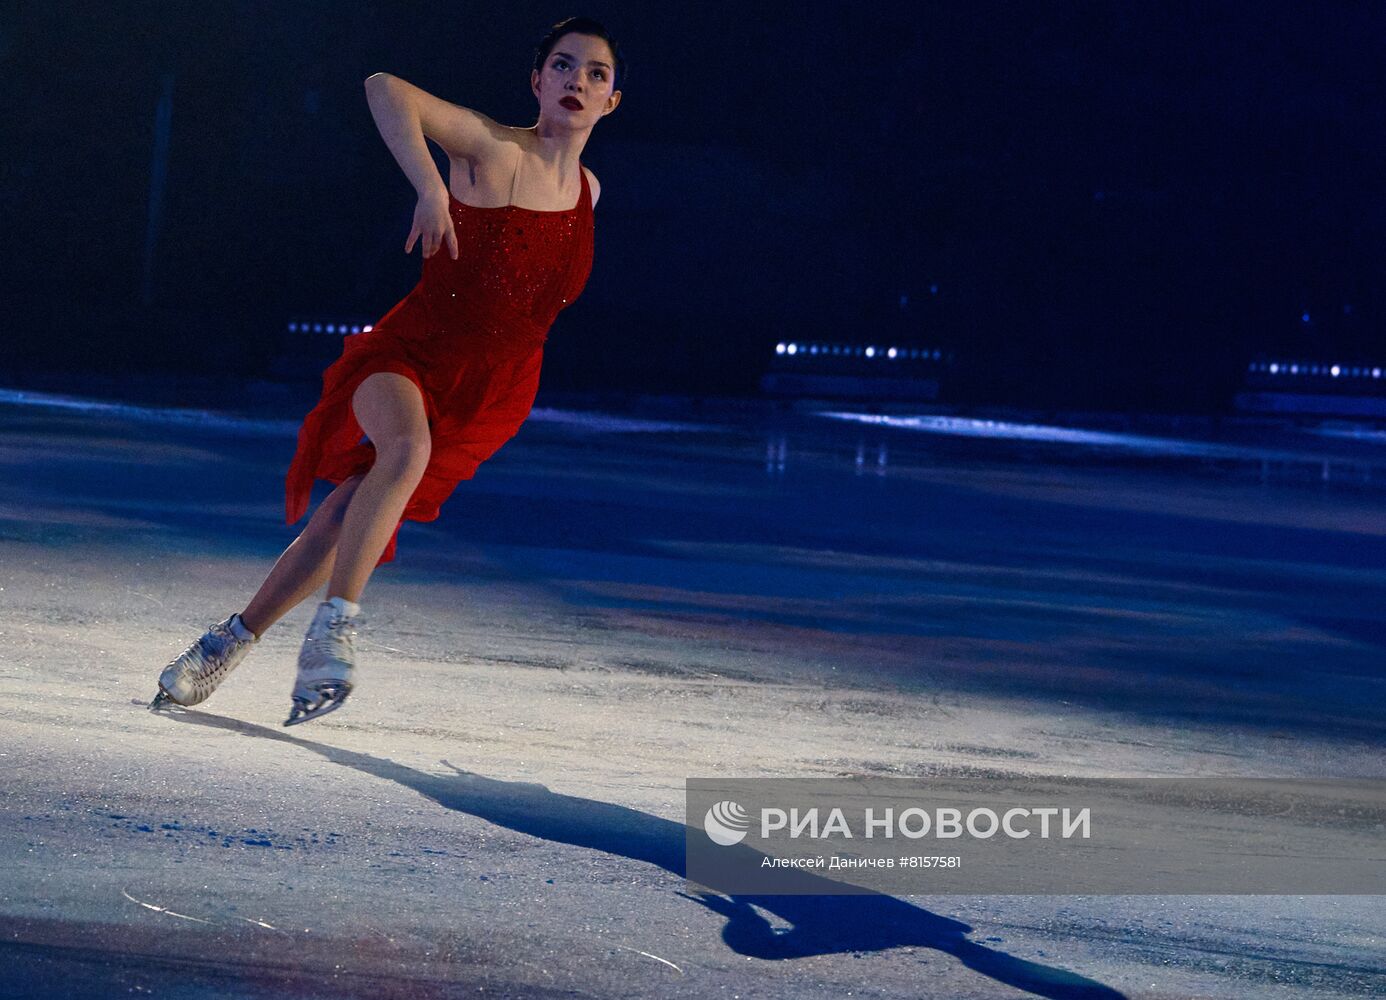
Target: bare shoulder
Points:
x,y
596,187
483,174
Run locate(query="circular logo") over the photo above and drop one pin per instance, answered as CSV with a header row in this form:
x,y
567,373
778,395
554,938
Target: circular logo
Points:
x,y
726,823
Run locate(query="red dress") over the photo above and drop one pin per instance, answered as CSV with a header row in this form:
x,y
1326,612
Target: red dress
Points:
x,y
470,335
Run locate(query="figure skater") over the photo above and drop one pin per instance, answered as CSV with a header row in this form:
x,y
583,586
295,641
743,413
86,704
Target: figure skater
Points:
x,y
450,373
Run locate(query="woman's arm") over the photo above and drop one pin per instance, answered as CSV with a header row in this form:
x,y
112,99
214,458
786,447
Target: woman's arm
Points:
x,y
404,114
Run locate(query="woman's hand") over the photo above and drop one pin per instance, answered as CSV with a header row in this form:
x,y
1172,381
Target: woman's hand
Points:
x,y
433,222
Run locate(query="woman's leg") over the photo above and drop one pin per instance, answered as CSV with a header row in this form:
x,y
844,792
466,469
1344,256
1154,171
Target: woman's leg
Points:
x,y
304,566
390,409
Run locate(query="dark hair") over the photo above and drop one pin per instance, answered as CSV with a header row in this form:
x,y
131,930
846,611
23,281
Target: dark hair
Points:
x,y
583,26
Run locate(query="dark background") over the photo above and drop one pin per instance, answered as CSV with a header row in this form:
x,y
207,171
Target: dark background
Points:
x,y
1119,205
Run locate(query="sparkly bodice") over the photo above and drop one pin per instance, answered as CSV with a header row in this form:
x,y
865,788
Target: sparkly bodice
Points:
x,y
516,269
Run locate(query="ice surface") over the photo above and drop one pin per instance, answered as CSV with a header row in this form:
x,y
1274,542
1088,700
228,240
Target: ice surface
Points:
x,y
618,602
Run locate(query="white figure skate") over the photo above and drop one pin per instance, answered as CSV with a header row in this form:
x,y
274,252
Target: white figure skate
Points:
x,y
194,674
325,664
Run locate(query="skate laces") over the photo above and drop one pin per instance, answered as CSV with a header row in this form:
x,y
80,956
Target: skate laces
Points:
x,y
335,642
341,627
215,659
342,631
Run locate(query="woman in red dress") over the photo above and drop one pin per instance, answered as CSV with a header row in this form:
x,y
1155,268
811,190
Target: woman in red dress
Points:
x,y
450,373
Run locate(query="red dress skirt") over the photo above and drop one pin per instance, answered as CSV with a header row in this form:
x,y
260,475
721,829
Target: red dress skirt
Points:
x,y
470,335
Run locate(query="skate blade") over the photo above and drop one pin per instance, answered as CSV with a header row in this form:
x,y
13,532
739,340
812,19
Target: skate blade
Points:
x,y
162,701
303,712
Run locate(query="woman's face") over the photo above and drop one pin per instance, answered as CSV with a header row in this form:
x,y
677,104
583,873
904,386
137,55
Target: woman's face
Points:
x,y
574,88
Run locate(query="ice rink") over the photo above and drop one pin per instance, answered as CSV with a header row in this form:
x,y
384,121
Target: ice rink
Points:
x,y
618,602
